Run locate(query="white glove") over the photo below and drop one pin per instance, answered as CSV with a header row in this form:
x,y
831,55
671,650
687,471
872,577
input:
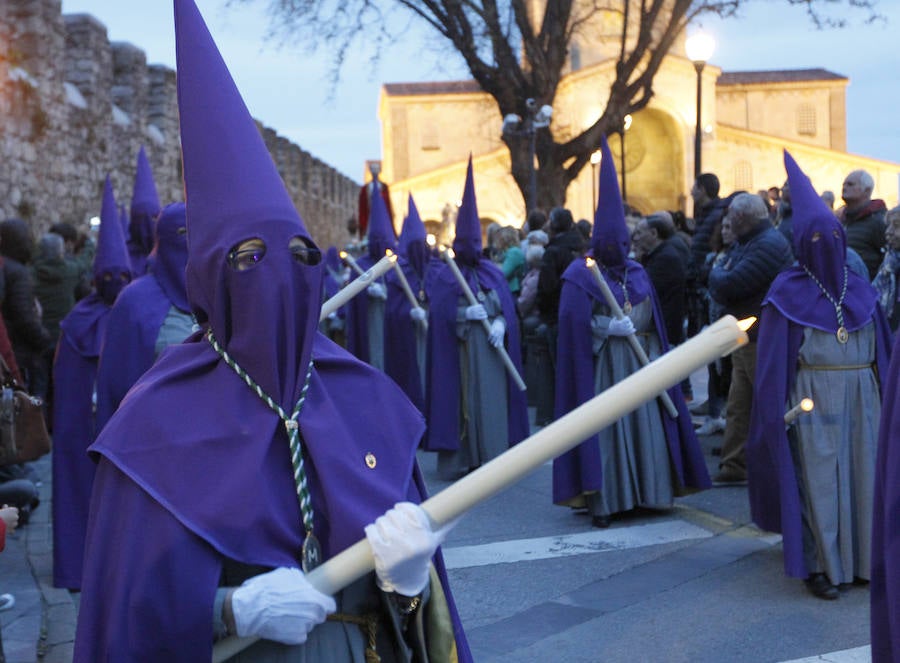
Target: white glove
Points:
x,y
377,290
279,605
623,327
476,312
417,313
333,315
498,330
403,545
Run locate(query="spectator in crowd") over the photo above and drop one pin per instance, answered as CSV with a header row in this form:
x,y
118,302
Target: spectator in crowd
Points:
x,y
828,198
863,219
784,214
75,371
647,457
536,221
510,257
149,315
169,565
565,245
739,285
79,247
526,303
584,227
708,211
886,279
30,340
474,409
821,336
144,210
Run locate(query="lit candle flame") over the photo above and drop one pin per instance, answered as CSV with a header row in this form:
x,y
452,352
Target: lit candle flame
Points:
x,y
589,262
746,323
807,405
450,253
388,253
343,255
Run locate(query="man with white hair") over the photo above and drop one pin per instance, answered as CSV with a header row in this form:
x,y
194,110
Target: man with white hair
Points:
x,y
739,285
863,219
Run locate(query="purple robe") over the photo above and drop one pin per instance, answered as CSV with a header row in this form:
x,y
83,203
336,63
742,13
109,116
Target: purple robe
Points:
x,y
74,367
158,606
442,380
579,470
885,582
772,482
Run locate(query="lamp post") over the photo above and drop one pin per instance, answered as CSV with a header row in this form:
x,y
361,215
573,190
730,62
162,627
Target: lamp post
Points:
x,y
538,117
699,47
595,159
626,125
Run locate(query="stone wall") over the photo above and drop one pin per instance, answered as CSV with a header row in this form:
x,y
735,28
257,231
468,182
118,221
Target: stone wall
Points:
x,y
74,106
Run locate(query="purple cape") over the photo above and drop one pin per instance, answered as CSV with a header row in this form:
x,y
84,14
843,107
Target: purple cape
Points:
x,y
358,316
400,333
75,366
442,380
157,607
579,470
129,347
885,584
772,483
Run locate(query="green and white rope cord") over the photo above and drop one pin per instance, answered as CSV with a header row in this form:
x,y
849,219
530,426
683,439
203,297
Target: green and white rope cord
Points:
x,y
290,423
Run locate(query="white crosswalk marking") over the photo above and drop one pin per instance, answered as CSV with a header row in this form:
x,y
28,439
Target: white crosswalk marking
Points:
x,y
595,541
855,655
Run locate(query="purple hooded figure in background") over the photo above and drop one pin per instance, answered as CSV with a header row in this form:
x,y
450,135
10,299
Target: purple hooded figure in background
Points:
x,y
474,410
334,325
646,458
257,444
405,328
144,210
75,366
365,314
151,313
821,336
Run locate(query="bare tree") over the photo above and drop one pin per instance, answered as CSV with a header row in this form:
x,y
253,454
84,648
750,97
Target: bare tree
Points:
x,y
516,57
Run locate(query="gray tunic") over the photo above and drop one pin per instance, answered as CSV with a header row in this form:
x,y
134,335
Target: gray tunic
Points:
x,y
834,451
375,320
483,426
176,327
634,453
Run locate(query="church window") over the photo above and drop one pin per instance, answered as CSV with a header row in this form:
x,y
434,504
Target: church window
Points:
x,y
806,120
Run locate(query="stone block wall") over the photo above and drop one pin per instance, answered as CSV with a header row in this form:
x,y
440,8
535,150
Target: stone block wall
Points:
x,y
74,106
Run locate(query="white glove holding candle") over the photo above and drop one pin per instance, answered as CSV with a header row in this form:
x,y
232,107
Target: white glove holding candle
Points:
x,y
377,290
279,605
417,313
623,327
476,312
498,329
403,544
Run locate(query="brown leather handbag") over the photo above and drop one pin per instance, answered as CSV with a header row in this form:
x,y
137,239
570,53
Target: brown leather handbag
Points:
x,y
23,432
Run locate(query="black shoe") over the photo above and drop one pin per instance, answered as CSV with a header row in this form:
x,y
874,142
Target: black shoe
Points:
x,y
819,586
728,476
601,522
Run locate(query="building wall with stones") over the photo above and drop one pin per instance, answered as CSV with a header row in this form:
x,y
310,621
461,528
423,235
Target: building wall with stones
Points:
x,y
74,106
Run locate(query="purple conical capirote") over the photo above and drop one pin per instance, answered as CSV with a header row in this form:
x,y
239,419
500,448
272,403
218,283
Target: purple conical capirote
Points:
x,y
610,239
467,243
144,199
413,238
112,254
380,231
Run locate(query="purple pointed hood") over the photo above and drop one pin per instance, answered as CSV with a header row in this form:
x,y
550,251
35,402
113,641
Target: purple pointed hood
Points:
x,y
413,239
467,243
234,193
144,204
112,268
380,232
170,254
820,246
610,240
124,220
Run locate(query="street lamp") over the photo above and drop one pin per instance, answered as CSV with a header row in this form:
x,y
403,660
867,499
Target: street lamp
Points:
x,y
513,125
626,125
699,47
595,159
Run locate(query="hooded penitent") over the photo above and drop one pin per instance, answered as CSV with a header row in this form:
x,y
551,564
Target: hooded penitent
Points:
x,y
381,238
75,366
580,471
135,322
793,303
144,210
333,268
184,476
444,293
402,334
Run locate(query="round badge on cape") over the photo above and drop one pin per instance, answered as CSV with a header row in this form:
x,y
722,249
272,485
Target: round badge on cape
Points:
x,y
626,308
842,335
310,553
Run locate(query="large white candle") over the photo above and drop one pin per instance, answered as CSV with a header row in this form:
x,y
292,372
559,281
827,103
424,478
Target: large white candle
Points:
x,y
356,286
619,314
717,340
448,256
413,302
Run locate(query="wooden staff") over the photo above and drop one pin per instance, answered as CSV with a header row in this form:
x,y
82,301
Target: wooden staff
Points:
x,y
448,255
719,339
803,407
356,286
413,302
619,314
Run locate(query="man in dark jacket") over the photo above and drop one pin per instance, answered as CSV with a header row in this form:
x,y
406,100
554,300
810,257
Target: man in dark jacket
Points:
x,y
653,241
863,219
708,212
740,284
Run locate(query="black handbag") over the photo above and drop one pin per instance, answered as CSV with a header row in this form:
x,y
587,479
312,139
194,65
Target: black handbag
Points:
x,y
23,431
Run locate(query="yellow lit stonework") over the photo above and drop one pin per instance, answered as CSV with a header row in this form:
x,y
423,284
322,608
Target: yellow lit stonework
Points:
x,y
429,130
